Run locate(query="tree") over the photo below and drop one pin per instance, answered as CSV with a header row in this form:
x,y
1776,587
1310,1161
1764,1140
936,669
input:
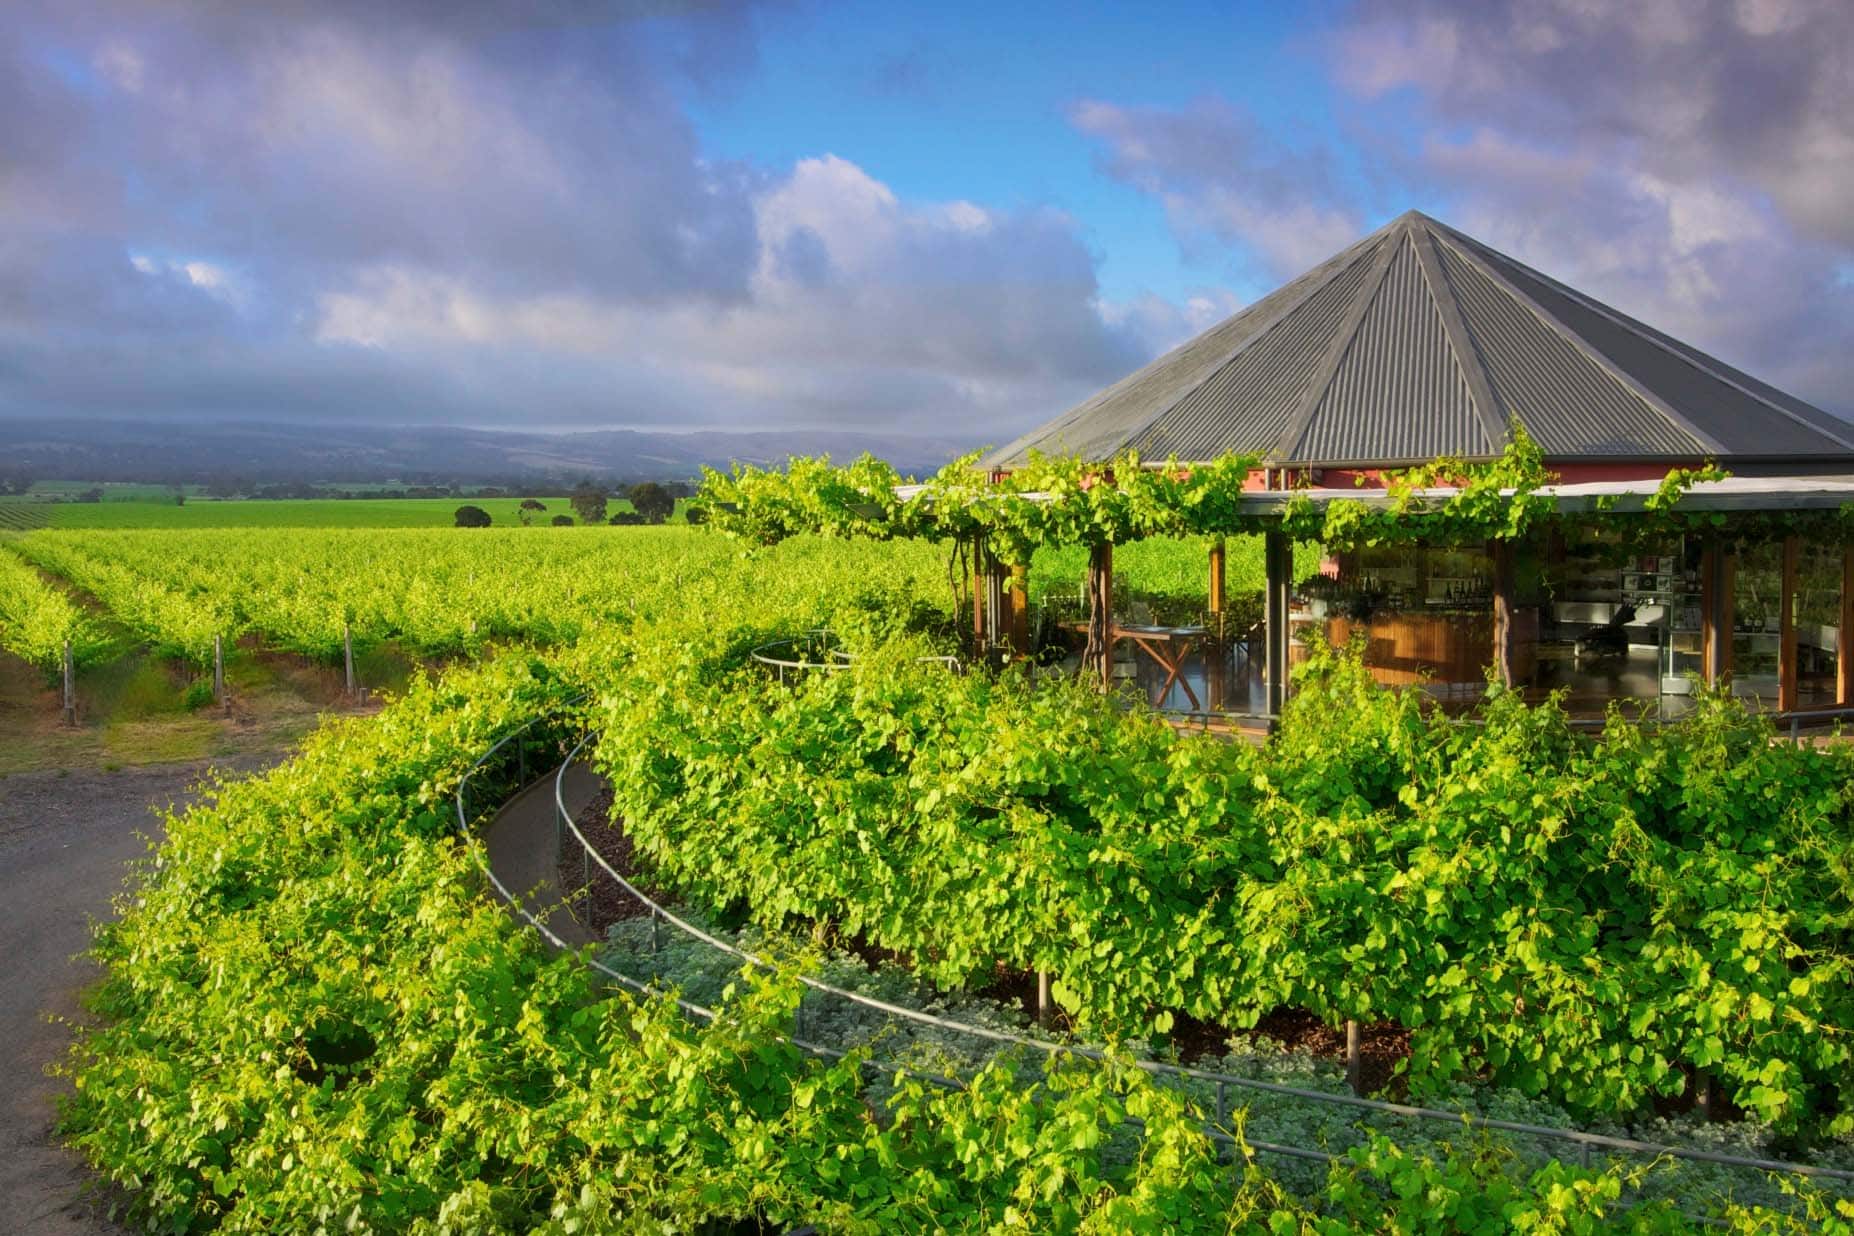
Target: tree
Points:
x,y
652,501
589,502
472,517
624,518
693,515
563,521
528,507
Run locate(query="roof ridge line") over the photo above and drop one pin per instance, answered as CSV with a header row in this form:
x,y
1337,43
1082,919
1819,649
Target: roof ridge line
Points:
x,y
1338,266
1337,347
1461,339
1583,347
1650,336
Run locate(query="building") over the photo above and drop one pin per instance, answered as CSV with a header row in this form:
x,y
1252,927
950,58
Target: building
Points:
x,y
1420,342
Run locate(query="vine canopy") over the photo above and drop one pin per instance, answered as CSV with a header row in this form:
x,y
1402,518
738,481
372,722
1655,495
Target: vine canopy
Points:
x,y
1055,501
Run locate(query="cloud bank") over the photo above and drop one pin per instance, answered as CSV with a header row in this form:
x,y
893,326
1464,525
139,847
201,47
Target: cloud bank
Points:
x,y
440,214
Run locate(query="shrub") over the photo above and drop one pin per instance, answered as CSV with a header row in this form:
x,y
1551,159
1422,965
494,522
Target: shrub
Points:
x,y
472,517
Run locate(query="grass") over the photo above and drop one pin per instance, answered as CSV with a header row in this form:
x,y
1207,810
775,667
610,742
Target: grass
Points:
x,y
280,513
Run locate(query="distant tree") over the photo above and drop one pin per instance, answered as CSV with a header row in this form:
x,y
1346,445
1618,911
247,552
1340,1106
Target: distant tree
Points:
x,y
93,494
528,507
625,518
694,515
563,521
472,517
652,501
589,502
180,496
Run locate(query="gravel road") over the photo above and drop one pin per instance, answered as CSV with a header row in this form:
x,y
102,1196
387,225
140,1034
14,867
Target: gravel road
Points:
x,y
64,840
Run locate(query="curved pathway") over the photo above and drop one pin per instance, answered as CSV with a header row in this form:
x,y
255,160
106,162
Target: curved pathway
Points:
x,y
520,842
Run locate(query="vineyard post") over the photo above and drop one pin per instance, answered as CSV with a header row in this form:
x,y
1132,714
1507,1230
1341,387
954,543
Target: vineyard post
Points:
x,y
70,686
347,650
1042,997
218,670
1354,1064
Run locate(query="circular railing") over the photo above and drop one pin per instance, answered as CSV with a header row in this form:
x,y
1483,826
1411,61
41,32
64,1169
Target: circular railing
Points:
x,y
510,760
1585,1142
818,651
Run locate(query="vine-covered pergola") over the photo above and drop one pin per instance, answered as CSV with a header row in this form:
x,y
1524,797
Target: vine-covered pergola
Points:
x,y
1497,467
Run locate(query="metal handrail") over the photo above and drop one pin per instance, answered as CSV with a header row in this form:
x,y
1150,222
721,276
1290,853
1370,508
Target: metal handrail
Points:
x,y
708,1015
1221,1081
839,658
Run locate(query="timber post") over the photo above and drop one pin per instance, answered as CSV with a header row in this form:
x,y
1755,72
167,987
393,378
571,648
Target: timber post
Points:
x,y
1786,639
347,651
1278,556
70,686
1501,551
1098,657
1020,609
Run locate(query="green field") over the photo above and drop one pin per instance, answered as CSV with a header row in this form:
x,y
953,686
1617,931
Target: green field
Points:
x,y
279,513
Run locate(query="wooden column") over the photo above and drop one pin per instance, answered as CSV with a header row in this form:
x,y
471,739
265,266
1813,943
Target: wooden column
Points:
x,y
1278,556
1098,657
1786,639
1020,608
1712,659
1216,576
1844,633
1216,655
978,591
1501,552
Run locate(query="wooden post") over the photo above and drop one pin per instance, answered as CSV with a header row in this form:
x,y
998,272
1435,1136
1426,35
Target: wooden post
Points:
x,y
70,686
1728,610
1098,657
1786,639
218,670
1354,1058
1502,554
1020,608
1278,556
1216,657
1711,660
347,649
978,592
1216,576
1042,997
1844,633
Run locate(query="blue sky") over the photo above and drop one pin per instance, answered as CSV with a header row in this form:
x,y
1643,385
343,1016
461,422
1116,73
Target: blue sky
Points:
x,y
971,101
951,219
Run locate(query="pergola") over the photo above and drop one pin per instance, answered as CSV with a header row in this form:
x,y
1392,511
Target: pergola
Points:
x,y
1419,342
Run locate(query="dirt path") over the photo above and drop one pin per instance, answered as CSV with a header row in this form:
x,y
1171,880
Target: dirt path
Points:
x,y
64,840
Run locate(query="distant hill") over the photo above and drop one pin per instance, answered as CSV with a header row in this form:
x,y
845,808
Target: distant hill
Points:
x,y
168,453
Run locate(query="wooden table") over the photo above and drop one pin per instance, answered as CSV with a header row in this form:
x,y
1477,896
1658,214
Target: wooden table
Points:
x,y
1167,646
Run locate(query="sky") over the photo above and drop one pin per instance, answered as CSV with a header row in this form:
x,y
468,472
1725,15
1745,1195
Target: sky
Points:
x,y
953,220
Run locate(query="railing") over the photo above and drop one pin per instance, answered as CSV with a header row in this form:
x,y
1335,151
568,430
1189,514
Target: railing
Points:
x,y
793,654
1586,1142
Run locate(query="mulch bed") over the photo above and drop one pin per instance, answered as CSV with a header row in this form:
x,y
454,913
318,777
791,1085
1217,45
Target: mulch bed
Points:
x,y
602,902
1381,1045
